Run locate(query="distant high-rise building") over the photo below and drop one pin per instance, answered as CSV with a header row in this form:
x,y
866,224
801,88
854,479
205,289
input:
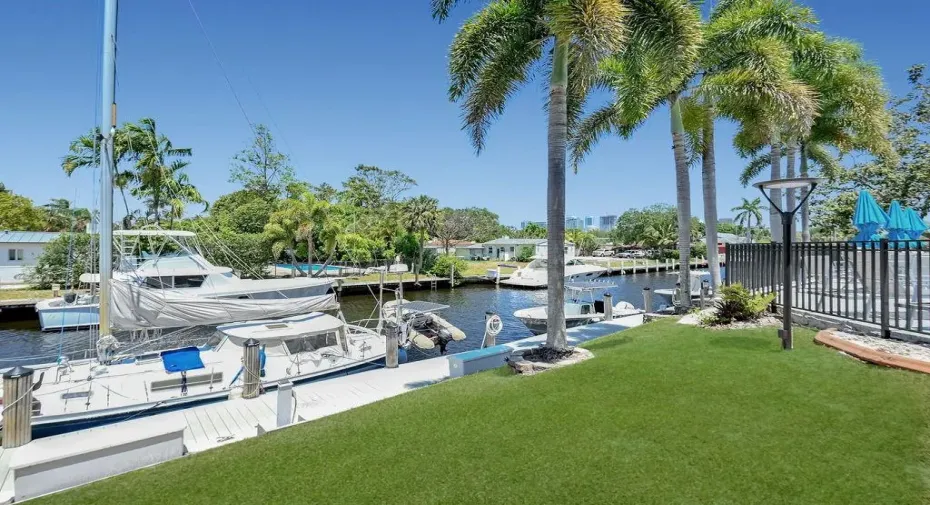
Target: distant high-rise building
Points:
x,y
725,220
607,222
589,223
574,223
524,224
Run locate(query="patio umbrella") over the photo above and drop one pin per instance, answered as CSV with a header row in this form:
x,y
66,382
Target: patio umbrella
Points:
x,y
868,218
898,222
917,226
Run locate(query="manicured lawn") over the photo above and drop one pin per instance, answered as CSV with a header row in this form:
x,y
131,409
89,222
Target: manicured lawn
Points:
x,y
664,414
24,294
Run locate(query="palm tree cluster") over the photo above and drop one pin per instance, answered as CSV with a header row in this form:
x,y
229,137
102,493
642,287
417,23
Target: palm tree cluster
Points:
x,y
760,63
147,164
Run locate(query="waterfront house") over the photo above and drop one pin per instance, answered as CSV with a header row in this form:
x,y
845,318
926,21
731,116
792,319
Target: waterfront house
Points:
x,y
506,248
464,249
19,251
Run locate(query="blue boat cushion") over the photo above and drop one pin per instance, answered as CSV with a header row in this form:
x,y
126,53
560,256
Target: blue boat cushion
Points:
x,y
182,360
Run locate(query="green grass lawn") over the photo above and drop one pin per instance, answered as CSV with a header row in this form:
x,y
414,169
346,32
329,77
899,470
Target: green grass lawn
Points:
x,y
24,294
664,414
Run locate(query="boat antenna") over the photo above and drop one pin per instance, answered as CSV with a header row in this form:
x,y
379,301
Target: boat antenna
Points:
x,y
107,132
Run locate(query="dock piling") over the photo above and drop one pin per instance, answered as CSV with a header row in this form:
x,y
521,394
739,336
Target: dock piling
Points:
x,y
608,307
251,365
647,299
391,353
17,407
490,338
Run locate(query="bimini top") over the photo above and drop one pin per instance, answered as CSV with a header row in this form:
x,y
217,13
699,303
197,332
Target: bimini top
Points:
x,y
279,330
416,306
589,285
154,233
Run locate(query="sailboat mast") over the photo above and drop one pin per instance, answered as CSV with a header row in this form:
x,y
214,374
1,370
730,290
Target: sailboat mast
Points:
x,y
107,132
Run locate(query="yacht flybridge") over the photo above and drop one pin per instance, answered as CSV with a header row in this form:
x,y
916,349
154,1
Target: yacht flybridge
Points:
x,y
534,275
176,268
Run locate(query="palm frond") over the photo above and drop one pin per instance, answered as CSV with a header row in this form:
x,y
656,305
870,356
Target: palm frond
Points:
x,y
693,117
830,167
442,8
595,28
755,167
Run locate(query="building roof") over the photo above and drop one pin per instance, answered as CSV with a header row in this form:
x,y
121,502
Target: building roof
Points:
x,y
27,237
464,244
515,241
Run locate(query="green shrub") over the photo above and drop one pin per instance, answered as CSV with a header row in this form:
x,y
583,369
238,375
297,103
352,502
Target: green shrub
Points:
x,y
738,304
525,254
442,267
67,250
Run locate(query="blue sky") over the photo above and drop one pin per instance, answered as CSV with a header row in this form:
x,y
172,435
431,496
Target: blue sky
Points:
x,y
343,83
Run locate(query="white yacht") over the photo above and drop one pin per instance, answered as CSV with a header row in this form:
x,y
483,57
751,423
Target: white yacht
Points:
x,y
581,308
534,275
113,387
184,272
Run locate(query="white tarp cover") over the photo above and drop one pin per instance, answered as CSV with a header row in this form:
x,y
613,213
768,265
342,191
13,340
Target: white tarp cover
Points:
x,y
134,307
282,329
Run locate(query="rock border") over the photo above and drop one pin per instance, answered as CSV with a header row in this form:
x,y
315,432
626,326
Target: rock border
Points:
x,y
521,366
874,356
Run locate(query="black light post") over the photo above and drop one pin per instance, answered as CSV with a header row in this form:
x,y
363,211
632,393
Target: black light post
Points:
x,y
787,219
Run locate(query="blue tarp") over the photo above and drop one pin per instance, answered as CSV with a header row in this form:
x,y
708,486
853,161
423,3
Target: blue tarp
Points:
x,y
182,360
868,218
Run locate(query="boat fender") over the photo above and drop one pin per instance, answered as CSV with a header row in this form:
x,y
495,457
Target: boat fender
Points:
x,y
401,355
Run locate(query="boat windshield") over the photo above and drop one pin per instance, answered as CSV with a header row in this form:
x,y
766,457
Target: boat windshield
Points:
x,y
311,343
538,264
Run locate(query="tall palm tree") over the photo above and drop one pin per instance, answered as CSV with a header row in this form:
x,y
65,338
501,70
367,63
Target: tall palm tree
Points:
x,y
852,116
157,166
738,63
63,217
422,214
312,218
746,211
84,151
179,191
281,231
494,53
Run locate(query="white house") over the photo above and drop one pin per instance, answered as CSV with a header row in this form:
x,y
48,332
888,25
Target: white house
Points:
x,y
461,248
506,248
19,251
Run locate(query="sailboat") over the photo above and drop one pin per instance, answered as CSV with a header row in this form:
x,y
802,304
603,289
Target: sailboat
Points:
x,y
120,384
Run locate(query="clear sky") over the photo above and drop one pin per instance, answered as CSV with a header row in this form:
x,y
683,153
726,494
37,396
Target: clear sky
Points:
x,y
343,83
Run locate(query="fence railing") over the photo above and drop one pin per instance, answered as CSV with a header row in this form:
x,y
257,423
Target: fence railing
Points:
x,y
883,282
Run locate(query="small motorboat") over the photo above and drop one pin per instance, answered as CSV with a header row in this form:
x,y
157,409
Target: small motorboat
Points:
x,y
580,309
425,328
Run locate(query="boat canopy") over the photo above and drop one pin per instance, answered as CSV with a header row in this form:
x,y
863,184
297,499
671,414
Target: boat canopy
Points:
x,y
417,306
275,331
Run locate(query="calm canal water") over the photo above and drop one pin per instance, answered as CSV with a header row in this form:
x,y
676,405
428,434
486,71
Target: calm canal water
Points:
x,y
467,305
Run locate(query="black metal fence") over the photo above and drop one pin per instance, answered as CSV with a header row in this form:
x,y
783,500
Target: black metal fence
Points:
x,y
884,282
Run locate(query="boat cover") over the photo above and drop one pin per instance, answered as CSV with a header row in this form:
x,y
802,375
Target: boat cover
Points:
x,y
278,330
134,307
182,360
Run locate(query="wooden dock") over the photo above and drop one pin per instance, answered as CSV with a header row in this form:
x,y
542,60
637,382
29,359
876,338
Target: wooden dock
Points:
x,y
235,419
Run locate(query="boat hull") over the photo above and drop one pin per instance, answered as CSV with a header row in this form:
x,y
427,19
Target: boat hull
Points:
x,y
67,317
56,425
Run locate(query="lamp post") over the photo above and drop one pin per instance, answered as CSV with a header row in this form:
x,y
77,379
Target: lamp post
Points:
x,y
787,219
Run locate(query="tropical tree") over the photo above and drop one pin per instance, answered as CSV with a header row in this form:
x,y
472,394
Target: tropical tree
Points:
x,y
62,216
533,230
18,213
261,168
496,51
281,231
422,215
311,214
746,212
585,242
453,224
84,151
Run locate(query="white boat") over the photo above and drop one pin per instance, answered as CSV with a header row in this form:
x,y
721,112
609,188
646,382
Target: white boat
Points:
x,y
114,387
580,309
425,328
186,273
695,279
534,275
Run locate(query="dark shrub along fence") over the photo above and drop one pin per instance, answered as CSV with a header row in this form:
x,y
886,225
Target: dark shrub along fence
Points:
x,y
883,282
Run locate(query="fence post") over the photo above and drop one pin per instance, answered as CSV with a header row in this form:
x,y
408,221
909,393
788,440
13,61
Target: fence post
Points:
x,y
883,292
608,307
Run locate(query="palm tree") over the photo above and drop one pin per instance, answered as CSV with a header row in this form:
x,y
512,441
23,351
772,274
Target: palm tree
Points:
x,y
852,116
312,217
179,190
63,217
495,52
422,214
281,231
156,173
662,235
584,241
84,151
746,211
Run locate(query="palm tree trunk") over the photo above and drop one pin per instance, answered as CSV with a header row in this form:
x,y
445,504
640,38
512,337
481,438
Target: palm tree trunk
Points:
x,y
775,194
555,231
683,193
805,210
791,195
709,181
749,230
329,259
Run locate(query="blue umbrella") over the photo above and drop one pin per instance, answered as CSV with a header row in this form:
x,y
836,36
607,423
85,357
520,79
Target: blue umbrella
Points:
x,y
868,217
898,222
917,226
